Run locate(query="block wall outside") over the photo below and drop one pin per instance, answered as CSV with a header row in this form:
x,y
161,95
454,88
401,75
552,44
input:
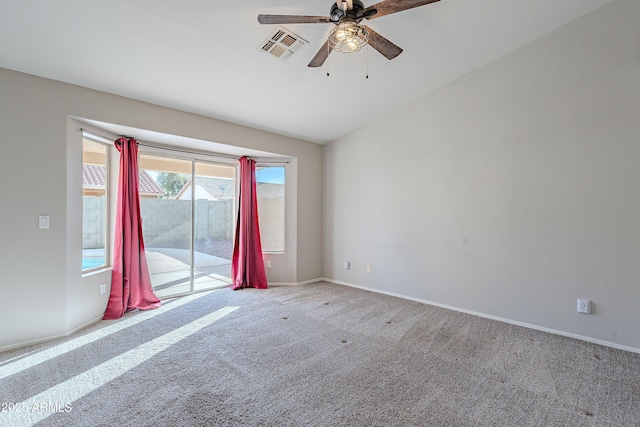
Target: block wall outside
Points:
x,y
165,222
272,220
93,233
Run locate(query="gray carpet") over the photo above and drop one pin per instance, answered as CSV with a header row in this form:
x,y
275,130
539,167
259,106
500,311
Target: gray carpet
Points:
x,y
316,355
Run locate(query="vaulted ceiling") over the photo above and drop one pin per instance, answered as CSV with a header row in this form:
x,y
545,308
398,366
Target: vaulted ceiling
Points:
x,y
205,56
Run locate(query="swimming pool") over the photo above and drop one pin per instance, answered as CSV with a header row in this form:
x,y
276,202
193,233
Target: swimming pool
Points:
x,y
92,262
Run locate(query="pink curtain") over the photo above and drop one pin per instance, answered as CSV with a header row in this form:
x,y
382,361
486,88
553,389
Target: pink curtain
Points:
x,y
130,279
247,266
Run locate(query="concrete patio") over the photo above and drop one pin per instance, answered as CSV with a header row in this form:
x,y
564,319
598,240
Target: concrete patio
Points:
x,y
171,273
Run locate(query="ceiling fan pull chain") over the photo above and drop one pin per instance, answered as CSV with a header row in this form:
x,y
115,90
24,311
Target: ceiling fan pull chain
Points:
x,y
328,59
367,62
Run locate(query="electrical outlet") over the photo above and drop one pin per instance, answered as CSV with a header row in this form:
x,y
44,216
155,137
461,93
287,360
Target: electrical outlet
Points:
x,y
584,306
103,288
347,265
268,263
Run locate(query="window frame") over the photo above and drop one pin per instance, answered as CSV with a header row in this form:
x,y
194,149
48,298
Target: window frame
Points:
x,y
282,165
90,137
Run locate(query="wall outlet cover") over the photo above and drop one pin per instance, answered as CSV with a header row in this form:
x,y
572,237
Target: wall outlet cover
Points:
x,y
584,306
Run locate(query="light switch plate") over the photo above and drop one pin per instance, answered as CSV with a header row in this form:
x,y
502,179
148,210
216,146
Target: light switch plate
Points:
x,y
43,221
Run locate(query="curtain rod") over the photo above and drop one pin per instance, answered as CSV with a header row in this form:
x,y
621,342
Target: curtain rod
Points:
x,y
95,134
163,147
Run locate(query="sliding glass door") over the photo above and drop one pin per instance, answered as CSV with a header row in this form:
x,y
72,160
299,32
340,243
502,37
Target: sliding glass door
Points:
x,y
187,210
214,196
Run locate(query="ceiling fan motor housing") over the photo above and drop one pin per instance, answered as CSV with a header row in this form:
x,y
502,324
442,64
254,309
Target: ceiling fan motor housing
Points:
x,y
355,13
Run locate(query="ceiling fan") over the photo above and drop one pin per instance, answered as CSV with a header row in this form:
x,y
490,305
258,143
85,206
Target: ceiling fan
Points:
x,y
349,35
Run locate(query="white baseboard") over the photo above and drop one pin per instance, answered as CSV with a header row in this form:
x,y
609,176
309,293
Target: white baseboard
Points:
x,y
49,338
306,282
277,284
84,325
488,316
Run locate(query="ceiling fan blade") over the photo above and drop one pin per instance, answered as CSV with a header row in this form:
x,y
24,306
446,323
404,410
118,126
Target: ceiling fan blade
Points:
x,y
382,45
321,56
292,19
388,7
367,14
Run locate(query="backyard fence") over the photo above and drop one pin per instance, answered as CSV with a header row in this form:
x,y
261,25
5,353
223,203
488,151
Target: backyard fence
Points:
x,y
166,223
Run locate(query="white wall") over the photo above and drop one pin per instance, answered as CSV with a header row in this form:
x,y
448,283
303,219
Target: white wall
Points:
x,y
511,192
42,292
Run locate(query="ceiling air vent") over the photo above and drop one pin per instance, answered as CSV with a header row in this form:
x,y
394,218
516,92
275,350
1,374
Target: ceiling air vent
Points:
x,y
282,44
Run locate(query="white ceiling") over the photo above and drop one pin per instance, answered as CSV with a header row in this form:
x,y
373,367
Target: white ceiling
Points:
x,y
204,56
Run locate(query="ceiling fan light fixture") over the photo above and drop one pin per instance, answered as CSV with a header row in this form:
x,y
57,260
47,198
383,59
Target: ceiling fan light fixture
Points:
x,y
348,37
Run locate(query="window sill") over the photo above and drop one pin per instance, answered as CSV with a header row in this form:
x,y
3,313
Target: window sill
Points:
x,y
100,270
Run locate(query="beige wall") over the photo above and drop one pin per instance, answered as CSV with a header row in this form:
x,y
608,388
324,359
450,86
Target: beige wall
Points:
x,y
509,193
43,293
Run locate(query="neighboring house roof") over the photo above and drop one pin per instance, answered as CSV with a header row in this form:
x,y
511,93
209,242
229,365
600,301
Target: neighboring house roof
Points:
x,y
93,176
218,188
149,185
224,188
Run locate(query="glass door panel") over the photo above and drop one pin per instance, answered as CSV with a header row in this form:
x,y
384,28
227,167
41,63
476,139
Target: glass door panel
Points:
x,y
214,213
165,207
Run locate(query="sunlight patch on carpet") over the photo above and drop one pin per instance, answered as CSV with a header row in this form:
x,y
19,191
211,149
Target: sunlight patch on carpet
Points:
x,y
62,395
21,363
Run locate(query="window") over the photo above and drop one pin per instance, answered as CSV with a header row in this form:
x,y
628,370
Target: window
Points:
x,y
270,181
95,218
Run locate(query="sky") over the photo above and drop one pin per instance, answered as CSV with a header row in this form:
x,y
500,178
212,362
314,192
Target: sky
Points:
x,y
272,175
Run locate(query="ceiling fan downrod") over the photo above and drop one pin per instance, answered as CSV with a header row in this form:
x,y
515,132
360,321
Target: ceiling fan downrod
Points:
x,y
344,5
